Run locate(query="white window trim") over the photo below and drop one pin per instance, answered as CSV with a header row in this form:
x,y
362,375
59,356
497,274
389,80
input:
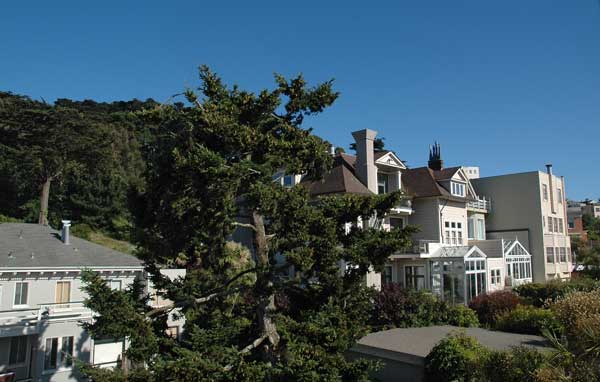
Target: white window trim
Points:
x,y
19,306
58,356
423,276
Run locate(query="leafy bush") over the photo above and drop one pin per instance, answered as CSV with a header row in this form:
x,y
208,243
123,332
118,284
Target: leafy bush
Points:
x,y
520,364
538,294
455,358
527,319
459,315
490,305
576,310
82,231
8,219
397,307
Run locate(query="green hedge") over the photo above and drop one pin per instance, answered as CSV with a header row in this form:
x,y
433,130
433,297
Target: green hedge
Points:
x,y
538,294
529,320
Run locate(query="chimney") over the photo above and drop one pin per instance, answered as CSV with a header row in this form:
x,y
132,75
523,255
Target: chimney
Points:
x,y
332,150
65,232
365,158
435,157
550,186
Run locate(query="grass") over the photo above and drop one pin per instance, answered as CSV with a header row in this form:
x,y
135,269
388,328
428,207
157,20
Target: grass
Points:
x,y
109,242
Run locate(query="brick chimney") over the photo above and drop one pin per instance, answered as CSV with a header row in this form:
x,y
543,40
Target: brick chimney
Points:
x,y
365,158
435,157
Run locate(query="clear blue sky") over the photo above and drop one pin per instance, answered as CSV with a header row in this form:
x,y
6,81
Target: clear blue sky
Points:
x,y
507,85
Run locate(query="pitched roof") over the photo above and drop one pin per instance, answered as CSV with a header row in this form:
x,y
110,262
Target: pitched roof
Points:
x,y
38,246
341,179
423,182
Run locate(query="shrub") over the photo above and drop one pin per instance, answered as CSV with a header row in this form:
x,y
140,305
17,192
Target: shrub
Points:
x,y
575,310
460,315
82,231
538,294
397,307
488,306
8,219
520,364
454,358
528,320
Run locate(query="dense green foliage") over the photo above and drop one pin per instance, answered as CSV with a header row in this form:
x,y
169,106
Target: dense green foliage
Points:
x,y
87,154
520,364
455,358
528,320
539,294
397,307
209,182
489,305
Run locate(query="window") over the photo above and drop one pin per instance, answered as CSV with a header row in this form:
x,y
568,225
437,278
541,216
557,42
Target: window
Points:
x,y
114,284
569,255
58,358
382,183
571,225
63,292
496,278
18,350
173,332
21,292
545,191
563,255
414,276
453,233
387,275
556,225
480,229
458,189
288,180
549,255
560,197
396,223
561,227
550,224
470,229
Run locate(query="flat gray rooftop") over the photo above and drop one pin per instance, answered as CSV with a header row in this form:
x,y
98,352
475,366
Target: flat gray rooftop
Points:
x,y
419,341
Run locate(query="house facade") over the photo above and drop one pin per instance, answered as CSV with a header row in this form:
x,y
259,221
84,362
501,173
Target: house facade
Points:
x,y
532,208
41,302
446,257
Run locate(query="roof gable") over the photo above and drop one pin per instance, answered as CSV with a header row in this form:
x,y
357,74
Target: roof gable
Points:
x,y
389,159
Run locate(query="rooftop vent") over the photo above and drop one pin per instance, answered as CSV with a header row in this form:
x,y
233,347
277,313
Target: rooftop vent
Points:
x,y
65,235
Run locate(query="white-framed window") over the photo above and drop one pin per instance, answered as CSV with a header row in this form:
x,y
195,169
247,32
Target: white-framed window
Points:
x,y
414,276
17,351
560,195
21,293
63,292
495,277
453,233
382,183
550,255
561,227
458,189
58,353
288,180
475,277
563,254
545,191
471,229
114,284
480,229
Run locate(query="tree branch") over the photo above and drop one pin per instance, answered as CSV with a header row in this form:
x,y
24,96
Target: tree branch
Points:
x,y
249,348
245,225
200,300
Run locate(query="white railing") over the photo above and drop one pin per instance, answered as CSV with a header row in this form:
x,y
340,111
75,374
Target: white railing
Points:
x,y
32,316
480,204
421,247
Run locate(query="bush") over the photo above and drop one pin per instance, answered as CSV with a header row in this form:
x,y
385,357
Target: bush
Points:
x,y
528,320
397,307
82,231
490,305
520,364
538,294
455,358
460,315
8,219
575,310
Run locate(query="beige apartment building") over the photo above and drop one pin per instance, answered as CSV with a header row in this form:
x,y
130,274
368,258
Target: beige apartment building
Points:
x,y
532,208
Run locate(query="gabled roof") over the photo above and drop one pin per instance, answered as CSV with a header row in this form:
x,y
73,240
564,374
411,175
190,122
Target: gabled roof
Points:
x,y
462,251
388,158
341,179
499,248
423,182
37,246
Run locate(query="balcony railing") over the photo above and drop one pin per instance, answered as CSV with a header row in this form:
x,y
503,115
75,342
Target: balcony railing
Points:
x,y
421,247
480,204
33,316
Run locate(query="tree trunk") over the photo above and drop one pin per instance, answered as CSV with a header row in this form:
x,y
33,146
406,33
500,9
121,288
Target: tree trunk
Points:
x,y
44,196
266,305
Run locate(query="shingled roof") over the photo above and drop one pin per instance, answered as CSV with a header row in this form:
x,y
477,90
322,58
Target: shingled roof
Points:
x,y
422,182
341,179
38,247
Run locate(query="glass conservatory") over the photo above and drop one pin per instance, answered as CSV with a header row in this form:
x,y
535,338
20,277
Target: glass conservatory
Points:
x,y
458,274
518,263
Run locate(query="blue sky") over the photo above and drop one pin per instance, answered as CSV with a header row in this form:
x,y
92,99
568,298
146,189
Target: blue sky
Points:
x,y
507,85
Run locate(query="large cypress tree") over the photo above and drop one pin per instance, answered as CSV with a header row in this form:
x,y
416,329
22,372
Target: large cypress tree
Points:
x,y
277,307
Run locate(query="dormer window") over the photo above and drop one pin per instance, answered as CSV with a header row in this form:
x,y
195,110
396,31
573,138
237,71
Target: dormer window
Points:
x,y
458,189
382,183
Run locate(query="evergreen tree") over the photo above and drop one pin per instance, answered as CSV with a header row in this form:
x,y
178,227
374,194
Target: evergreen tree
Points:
x,y
209,182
